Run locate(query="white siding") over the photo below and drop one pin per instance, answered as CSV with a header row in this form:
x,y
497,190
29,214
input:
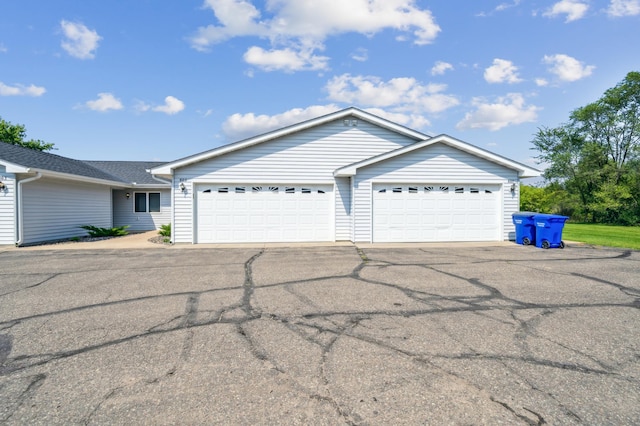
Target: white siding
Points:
x,y
438,163
511,203
309,156
124,214
54,209
343,209
7,208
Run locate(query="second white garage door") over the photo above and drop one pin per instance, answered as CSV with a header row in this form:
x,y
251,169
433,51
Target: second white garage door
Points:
x,y
432,213
233,213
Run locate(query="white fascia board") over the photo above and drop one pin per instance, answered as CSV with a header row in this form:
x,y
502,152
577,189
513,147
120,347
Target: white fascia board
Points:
x,y
148,185
167,169
14,168
78,178
523,171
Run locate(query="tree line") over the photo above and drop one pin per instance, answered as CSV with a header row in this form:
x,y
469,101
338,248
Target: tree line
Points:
x,y
592,162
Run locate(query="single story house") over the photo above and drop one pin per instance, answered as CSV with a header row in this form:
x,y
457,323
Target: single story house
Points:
x,y
46,197
345,176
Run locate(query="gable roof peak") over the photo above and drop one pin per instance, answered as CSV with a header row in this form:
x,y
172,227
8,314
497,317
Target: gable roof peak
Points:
x,y
168,168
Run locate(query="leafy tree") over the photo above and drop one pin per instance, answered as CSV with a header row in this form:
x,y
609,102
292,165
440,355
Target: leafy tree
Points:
x,y
552,198
534,199
594,157
15,134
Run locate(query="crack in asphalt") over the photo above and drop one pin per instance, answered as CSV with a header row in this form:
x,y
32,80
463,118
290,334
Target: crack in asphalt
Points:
x,y
340,324
35,382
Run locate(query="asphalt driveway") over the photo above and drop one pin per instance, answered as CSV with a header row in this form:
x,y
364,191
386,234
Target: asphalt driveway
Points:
x,y
320,335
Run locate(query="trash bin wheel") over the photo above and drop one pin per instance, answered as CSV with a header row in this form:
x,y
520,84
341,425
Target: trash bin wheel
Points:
x,y
545,244
561,244
526,241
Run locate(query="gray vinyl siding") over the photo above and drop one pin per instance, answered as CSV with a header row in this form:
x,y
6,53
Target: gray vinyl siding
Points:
x,y
124,214
438,163
7,208
54,209
309,156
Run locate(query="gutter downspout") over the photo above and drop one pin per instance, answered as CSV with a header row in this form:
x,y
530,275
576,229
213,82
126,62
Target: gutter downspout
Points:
x,y
20,209
160,180
173,203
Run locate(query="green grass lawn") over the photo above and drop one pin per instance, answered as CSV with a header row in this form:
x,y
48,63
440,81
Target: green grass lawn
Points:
x,y
603,235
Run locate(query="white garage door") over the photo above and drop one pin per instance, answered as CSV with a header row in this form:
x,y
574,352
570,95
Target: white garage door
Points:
x,y
428,213
233,213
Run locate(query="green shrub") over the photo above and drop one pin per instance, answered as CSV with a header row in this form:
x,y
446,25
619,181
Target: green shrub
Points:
x,y
165,230
96,231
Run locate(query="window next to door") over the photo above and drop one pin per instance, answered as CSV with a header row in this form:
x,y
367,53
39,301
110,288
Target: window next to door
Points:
x,y
146,202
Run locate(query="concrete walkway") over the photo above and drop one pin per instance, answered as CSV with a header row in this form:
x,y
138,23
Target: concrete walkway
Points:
x,y
131,241
141,241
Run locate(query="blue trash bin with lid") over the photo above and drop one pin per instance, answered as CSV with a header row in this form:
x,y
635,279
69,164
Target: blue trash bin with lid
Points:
x,y
549,230
525,227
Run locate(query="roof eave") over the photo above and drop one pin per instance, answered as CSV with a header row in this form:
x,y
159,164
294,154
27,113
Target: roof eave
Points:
x,y
529,173
14,168
168,169
523,171
78,178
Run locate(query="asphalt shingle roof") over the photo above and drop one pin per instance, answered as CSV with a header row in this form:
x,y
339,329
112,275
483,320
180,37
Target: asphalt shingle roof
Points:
x,y
129,171
126,172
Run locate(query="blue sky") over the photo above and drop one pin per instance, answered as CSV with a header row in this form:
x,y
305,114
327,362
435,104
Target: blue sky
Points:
x,y
160,79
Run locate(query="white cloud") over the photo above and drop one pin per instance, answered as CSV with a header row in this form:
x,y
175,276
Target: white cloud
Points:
x,y
105,102
505,6
441,67
361,55
21,90
141,106
240,126
619,8
567,68
506,111
287,60
172,105
541,82
500,8
3,48
574,10
502,71
414,121
294,25
400,94
237,18
80,42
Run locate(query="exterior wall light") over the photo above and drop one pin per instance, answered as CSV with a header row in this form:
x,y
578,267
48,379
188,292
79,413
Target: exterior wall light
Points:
x,y
2,186
513,188
182,187
128,195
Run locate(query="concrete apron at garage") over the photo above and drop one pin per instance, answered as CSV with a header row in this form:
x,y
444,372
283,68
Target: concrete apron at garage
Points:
x,y
141,241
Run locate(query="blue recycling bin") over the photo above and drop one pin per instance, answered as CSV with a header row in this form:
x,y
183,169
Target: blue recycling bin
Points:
x,y
525,227
549,230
